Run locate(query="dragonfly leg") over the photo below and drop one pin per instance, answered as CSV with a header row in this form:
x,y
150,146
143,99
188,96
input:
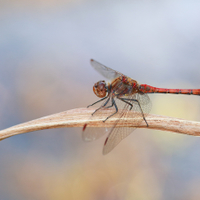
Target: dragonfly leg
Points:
x,y
125,100
116,108
102,105
97,101
110,105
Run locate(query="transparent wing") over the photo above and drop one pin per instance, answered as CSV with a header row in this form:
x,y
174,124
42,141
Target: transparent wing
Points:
x,y
105,71
119,133
90,134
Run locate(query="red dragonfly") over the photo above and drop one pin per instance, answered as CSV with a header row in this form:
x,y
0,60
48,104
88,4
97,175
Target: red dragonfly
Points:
x,y
122,95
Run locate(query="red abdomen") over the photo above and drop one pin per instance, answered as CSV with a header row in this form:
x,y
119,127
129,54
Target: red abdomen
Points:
x,y
149,89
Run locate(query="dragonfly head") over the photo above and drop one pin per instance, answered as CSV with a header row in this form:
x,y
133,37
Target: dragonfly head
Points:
x,y
100,89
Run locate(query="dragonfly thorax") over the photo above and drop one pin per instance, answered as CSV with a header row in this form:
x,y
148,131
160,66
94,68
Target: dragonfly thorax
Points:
x,y
100,89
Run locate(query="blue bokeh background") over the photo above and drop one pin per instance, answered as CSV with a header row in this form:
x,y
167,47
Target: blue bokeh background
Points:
x,y
45,48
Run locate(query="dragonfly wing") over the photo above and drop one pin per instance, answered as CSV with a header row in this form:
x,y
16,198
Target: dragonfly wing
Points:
x,y
117,134
115,137
105,71
90,134
145,103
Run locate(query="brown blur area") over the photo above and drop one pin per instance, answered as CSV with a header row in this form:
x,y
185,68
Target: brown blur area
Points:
x,y
45,49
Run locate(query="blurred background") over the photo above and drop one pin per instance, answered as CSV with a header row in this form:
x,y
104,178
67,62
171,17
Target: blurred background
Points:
x,y
45,48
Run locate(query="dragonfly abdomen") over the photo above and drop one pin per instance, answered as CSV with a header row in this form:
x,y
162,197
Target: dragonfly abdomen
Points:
x,y
149,89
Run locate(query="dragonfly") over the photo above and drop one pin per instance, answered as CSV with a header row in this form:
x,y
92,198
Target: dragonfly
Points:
x,y
122,96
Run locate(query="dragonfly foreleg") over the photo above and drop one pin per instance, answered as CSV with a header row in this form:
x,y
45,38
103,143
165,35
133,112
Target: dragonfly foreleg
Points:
x,y
125,100
102,105
116,108
97,102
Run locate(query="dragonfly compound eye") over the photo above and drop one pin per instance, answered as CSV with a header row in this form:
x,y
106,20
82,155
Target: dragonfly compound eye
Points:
x,y
100,89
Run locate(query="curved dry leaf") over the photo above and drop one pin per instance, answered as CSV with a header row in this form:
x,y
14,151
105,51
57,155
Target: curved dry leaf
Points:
x,y
78,117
